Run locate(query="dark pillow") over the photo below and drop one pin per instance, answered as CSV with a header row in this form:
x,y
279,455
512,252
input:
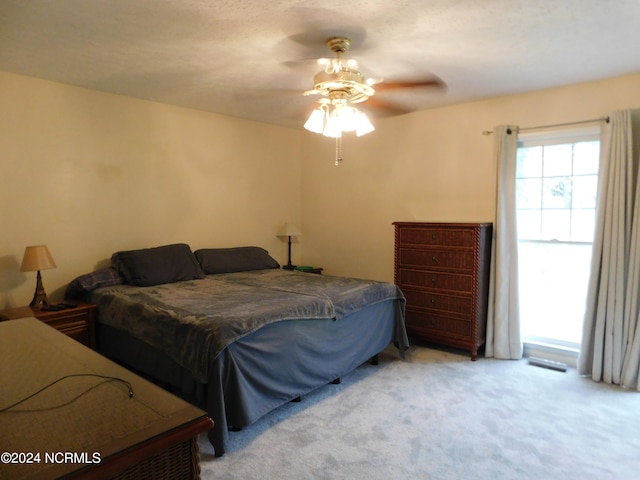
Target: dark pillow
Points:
x,y
158,265
87,283
237,259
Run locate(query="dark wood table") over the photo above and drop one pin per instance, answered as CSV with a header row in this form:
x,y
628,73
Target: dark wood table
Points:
x,y
87,425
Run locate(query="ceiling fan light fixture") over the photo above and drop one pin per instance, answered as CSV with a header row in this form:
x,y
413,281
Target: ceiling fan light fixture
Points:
x,y
316,121
332,128
332,120
345,116
341,85
363,125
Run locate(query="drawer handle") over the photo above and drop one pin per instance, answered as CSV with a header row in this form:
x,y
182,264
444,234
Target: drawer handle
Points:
x,y
433,301
434,236
434,259
434,280
433,322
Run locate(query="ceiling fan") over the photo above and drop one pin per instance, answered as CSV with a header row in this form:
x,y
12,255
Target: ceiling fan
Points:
x,y
340,85
341,76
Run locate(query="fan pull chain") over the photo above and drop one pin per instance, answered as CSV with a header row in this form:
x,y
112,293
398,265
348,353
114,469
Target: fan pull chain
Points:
x,y
338,150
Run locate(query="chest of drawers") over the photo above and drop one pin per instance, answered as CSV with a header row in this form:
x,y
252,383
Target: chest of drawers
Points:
x,y
443,271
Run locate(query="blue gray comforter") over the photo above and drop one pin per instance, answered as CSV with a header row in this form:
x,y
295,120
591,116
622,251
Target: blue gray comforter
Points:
x,y
193,321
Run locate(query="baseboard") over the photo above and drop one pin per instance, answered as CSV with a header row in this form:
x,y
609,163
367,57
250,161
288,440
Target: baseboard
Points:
x,y
566,355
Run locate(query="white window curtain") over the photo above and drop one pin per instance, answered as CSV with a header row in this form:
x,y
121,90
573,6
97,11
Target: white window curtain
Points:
x,y
631,365
610,349
503,318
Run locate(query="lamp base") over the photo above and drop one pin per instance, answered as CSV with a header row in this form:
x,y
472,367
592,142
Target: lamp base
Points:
x,y
288,266
40,296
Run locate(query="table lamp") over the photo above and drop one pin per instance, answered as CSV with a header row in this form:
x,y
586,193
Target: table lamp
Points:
x,y
289,230
38,258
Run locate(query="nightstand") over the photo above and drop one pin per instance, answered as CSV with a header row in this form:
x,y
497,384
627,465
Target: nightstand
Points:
x,y
77,323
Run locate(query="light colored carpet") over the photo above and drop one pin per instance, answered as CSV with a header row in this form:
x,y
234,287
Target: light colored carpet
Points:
x,y
437,415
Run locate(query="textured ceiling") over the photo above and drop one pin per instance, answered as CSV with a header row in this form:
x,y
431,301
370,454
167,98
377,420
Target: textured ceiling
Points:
x,y
253,59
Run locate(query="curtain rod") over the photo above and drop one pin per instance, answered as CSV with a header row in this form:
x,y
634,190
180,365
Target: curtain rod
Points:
x,y
593,120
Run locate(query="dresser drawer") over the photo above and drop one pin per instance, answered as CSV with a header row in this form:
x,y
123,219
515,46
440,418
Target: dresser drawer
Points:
x,y
78,331
428,324
435,280
68,319
430,300
435,236
433,258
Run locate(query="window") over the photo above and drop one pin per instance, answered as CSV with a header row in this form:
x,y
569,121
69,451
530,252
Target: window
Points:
x,y
556,187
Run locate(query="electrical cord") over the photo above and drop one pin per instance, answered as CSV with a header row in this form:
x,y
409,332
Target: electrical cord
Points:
x,y
104,377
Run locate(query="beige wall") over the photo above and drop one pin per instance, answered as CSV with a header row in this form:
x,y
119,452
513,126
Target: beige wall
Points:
x,y
89,173
432,165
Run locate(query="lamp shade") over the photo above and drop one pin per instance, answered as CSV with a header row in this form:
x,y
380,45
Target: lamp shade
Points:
x,y
363,125
316,121
289,230
37,257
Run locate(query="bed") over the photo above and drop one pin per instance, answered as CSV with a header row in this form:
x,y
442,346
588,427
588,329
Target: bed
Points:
x,y
232,330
